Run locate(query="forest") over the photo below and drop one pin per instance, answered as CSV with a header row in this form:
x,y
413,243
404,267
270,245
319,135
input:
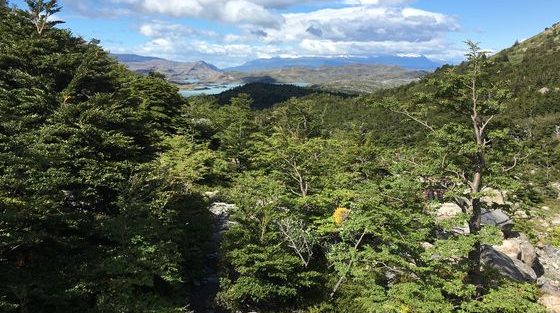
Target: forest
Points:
x,y
119,195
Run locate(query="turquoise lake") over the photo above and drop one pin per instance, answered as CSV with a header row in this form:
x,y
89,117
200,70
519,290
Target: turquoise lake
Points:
x,y
209,90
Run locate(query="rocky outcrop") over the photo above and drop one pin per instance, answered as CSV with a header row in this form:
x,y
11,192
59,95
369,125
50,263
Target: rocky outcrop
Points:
x,y
521,249
549,257
516,257
500,219
447,211
556,187
493,196
550,281
506,266
519,260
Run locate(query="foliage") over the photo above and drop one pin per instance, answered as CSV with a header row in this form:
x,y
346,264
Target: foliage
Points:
x,y
264,95
102,173
89,221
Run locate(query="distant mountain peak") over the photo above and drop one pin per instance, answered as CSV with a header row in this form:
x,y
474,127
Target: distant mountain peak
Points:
x,y
417,62
201,63
176,71
131,58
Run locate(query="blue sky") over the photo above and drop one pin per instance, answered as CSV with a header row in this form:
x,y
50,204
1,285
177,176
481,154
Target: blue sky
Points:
x,y
230,32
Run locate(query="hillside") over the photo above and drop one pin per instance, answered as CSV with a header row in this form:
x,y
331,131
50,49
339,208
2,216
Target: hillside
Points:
x,y
356,78
529,69
545,43
264,95
119,195
345,75
179,72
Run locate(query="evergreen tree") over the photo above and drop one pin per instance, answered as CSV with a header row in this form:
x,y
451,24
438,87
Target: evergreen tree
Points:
x,y
42,12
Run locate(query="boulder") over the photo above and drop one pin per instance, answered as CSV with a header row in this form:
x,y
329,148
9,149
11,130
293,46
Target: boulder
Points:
x,y
549,256
520,248
506,266
493,196
496,218
551,303
447,211
500,219
556,187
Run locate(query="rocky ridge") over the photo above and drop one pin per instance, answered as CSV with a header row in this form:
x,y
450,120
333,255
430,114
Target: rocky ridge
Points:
x,y
516,257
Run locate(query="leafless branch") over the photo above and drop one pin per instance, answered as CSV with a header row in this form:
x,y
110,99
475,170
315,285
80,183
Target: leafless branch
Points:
x,y
348,267
298,238
414,118
516,160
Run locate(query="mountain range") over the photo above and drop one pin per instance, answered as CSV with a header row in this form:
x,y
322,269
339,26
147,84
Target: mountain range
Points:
x,y
409,62
178,72
351,74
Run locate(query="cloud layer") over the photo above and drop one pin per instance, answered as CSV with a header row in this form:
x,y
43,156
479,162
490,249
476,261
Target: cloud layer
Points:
x,y
246,29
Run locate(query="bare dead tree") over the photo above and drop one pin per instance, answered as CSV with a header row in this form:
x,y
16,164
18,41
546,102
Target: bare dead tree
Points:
x,y
299,238
348,265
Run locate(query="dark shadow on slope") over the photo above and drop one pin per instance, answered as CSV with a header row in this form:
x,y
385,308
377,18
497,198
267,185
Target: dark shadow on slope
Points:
x,y
265,95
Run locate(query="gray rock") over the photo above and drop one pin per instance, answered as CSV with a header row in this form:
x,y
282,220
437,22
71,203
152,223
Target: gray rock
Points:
x,y
447,211
500,219
549,256
496,218
550,283
220,208
506,266
494,196
549,286
520,248
556,186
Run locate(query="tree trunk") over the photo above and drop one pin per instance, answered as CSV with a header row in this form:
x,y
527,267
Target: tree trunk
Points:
x,y
474,256
475,274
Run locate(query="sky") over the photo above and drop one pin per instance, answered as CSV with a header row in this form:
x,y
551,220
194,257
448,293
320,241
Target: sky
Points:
x,y
231,32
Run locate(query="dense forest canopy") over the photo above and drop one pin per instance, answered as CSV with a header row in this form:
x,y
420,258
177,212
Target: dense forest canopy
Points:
x,y
328,203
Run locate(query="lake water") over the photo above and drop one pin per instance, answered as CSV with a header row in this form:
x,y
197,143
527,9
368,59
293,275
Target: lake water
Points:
x,y
209,90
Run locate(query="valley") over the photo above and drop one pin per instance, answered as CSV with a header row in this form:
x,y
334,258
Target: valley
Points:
x,y
338,170
342,75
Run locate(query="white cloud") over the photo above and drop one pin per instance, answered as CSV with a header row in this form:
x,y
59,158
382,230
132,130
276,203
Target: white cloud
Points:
x,y
377,2
165,29
227,11
363,23
266,28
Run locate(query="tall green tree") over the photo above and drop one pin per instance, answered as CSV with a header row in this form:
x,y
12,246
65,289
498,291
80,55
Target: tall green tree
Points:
x,y
42,12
